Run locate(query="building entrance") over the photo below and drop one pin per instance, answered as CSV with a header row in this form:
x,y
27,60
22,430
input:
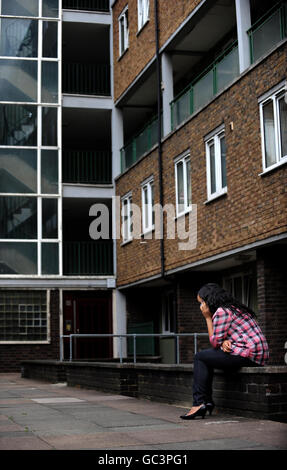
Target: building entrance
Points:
x,y
88,313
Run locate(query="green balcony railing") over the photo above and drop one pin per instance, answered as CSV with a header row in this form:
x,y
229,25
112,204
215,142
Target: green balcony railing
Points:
x,y
139,144
217,76
86,79
268,31
92,258
87,166
92,5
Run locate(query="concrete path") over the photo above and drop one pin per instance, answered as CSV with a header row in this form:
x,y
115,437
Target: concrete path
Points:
x,y
35,415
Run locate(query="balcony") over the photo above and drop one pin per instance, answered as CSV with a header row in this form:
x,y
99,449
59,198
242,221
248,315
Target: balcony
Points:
x,y
139,144
268,31
87,167
86,79
87,5
88,258
205,86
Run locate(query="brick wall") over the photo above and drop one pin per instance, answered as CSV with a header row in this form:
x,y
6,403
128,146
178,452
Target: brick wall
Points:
x,y
272,300
142,44
255,206
12,354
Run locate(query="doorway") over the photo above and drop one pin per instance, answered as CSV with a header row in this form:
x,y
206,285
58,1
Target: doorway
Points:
x,y
88,313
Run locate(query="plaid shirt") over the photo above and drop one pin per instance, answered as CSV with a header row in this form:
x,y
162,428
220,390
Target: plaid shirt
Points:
x,y
247,339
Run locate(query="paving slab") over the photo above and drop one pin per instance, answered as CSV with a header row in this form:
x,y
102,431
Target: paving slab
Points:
x,y
35,415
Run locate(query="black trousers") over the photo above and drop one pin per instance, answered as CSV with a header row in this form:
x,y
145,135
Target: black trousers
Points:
x,y
205,362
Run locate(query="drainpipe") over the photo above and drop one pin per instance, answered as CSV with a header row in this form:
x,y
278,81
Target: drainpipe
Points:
x,y
159,133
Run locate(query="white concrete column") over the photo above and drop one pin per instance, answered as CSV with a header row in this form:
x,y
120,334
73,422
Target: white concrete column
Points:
x,y
117,140
167,91
243,17
119,322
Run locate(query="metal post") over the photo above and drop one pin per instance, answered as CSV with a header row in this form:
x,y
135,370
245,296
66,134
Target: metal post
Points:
x,y
177,349
135,352
121,349
195,343
61,348
71,348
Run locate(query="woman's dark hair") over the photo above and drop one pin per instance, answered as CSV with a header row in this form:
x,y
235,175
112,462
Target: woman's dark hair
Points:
x,y
215,297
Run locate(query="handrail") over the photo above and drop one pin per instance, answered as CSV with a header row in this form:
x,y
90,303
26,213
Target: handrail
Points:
x,y
176,336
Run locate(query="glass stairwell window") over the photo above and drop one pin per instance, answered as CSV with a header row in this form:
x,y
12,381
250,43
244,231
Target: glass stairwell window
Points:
x,y
268,31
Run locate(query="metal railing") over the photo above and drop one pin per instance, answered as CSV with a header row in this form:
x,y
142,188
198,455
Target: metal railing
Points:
x,y
87,166
86,79
92,5
88,258
176,337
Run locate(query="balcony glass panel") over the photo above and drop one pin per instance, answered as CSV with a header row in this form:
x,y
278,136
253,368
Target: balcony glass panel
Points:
x,y
18,125
49,82
18,258
50,8
49,218
49,172
203,90
227,69
50,258
50,39
18,80
18,38
20,7
18,171
18,217
49,127
181,108
266,36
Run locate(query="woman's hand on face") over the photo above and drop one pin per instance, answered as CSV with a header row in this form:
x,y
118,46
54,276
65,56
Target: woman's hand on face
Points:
x,y
204,308
226,346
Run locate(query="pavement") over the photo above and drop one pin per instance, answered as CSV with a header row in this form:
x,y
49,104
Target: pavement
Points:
x,y
35,415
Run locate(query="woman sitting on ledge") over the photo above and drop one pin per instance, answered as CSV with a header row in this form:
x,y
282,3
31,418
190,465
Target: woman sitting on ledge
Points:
x,y
236,339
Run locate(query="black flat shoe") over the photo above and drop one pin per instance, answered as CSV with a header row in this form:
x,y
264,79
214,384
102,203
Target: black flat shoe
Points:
x,y
209,408
200,412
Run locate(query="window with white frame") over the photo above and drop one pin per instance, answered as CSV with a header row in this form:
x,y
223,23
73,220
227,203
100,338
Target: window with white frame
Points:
x,y
242,286
143,12
124,31
183,185
127,223
148,215
216,164
273,120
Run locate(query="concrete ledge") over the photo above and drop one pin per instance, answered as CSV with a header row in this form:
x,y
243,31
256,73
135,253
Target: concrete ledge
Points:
x,y
252,391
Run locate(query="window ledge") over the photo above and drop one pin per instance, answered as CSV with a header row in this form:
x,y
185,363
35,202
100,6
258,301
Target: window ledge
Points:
x,y
273,167
126,242
123,54
182,214
142,27
214,198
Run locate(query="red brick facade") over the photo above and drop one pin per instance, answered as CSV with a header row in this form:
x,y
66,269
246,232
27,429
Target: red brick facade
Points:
x,y
254,207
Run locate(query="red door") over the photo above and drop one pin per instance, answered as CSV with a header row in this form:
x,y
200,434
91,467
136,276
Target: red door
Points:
x,y
85,314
